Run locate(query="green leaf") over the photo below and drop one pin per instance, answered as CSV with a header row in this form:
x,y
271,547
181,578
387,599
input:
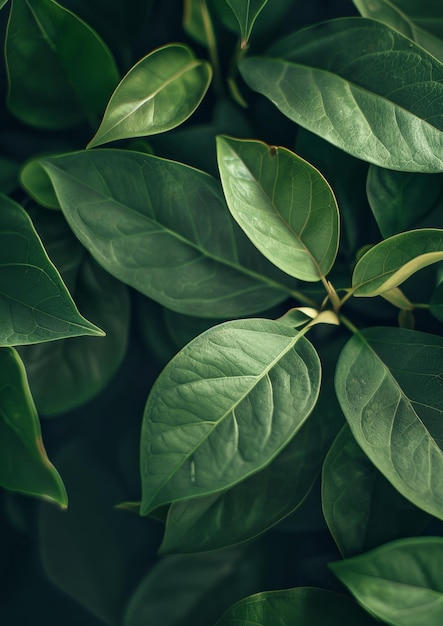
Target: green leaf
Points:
x,y
360,85
65,374
303,606
436,303
399,200
418,20
388,383
2,3
159,93
223,409
246,12
389,263
24,466
400,582
204,587
64,74
283,204
35,305
37,183
195,13
163,228
360,506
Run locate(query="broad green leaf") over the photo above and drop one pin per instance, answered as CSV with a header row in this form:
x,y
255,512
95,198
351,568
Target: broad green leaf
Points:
x,y
203,585
388,382
360,85
159,93
420,21
436,303
399,200
283,204
246,12
24,466
303,606
37,183
64,74
389,263
259,502
360,506
65,374
223,409
163,228
35,305
400,582
8,175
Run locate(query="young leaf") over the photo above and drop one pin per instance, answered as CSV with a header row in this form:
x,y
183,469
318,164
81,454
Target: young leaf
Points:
x,y
304,606
53,81
259,502
163,228
283,204
388,383
37,183
360,85
246,12
399,200
159,93
24,466
389,263
360,506
223,409
418,20
400,582
35,305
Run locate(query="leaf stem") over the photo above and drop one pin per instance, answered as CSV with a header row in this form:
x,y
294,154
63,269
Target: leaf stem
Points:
x,y
212,48
349,325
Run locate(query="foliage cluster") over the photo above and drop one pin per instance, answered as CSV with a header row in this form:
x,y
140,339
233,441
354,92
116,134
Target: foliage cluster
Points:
x,y
221,297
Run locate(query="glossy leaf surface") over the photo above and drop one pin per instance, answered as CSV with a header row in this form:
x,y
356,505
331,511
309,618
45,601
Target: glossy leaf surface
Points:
x,y
246,12
35,305
389,263
304,606
259,502
159,93
418,20
399,200
224,407
164,229
283,204
388,383
400,582
24,465
54,82
360,85
360,506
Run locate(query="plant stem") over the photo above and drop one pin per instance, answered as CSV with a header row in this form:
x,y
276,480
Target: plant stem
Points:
x,y
212,48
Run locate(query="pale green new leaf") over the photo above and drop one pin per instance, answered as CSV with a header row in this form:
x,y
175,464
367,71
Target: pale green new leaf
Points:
x,y
246,12
223,409
164,228
389,263
54,80
24,465
159,93
35,304
389,385
360,85
419,20
283,204
303,606
400,582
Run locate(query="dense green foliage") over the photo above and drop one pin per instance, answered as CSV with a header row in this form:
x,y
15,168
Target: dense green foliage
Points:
x,y
221,298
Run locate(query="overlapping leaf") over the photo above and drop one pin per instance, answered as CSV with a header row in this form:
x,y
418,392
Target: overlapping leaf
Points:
x,y
400,582
159,93
224,407
24,465
35,305
360,85
389,385
389,263
54,82
163,228
283,204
